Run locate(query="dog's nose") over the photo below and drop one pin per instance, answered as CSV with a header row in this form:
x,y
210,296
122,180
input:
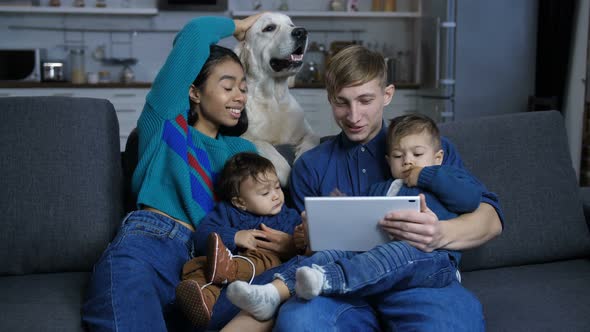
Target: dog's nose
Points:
x,y
299,33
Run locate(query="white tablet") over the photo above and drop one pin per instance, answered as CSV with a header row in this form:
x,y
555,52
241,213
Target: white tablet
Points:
x,y
350,223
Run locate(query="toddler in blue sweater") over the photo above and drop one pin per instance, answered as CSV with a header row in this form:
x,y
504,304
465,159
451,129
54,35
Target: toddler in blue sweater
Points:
x,y
251,198
415,158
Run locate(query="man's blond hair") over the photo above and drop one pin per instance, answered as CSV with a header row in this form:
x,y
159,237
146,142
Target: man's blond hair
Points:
x,y
353,66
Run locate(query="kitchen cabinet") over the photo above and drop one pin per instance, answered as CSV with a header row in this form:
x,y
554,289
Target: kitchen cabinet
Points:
x,y
395,33
128,102
79,10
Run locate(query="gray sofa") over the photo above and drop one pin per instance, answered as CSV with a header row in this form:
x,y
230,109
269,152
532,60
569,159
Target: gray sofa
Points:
x,y
62,201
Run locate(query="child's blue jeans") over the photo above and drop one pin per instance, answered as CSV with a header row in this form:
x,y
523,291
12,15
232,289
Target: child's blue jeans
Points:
x,y
392,266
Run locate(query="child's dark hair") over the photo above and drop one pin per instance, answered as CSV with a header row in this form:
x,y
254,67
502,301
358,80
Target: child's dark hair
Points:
x,y
404,125
217,55
237,169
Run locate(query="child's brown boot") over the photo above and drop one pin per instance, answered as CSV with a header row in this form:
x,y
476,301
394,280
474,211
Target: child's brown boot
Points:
x,y
222,266
196,301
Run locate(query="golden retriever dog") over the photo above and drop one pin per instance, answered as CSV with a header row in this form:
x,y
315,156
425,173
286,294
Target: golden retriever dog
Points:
x,y
272,53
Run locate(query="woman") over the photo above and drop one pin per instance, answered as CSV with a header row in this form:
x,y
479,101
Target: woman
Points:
x,y
184,142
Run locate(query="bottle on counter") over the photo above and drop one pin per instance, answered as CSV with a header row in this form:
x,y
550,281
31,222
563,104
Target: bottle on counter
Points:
x,y
313,75
78,72
405,67
283,5
316,53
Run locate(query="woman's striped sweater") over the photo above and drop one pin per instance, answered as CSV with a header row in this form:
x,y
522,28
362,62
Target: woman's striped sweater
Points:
x,y
177,164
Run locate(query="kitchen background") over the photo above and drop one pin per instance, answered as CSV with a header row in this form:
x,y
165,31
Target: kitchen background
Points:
x,y
487,59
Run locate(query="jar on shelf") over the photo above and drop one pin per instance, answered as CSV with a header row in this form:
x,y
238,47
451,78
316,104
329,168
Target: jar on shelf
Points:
x,y
389,5
377,5
78,73
337,5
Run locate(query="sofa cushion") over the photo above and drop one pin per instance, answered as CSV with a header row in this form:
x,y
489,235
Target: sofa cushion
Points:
x,y
524,158
60,190
542,297
585,193
42,302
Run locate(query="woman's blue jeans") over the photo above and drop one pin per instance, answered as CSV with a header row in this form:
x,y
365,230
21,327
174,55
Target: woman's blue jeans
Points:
x,y
132,285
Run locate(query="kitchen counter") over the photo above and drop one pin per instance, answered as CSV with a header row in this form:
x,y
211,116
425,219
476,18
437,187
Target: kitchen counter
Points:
x,y
69,85
138,85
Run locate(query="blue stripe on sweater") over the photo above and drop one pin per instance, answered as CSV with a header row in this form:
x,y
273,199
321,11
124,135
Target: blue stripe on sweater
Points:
x,y
175,140
178,143
202,157
201,194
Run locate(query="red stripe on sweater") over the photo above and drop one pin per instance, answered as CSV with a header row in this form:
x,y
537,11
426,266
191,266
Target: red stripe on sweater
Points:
x,y
197,167
181,121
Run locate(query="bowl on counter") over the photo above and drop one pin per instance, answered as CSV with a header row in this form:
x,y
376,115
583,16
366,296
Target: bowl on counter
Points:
x,y
52,71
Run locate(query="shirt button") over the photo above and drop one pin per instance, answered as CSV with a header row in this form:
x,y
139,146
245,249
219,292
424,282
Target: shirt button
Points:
x,y
362,149
364,171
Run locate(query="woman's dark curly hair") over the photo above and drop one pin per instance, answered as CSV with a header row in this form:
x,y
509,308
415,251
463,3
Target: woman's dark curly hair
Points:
x,y
217,55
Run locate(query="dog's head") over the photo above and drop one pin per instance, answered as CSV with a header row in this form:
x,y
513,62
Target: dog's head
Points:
x,y
273,45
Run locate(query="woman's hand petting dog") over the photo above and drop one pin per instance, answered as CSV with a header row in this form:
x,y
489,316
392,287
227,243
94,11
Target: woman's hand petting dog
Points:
x,y
243,25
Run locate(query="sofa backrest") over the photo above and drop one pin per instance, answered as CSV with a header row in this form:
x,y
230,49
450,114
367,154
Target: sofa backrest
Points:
x,y
61,191
524,158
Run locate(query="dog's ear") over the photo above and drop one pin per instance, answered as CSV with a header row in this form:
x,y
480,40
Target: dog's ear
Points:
x,y
244,53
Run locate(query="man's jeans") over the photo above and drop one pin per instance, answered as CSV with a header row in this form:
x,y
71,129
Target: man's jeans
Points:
x,y
132,286
450,308
395,265
403,286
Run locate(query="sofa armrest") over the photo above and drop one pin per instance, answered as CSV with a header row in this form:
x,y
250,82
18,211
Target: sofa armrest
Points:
x,y
585,194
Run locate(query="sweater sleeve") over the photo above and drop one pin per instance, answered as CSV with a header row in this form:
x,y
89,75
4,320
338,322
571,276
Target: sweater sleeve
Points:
x,y
217,221
292,219
451,156
169,94
458,190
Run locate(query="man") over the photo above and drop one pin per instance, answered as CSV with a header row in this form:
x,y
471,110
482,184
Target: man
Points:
x,y
350,163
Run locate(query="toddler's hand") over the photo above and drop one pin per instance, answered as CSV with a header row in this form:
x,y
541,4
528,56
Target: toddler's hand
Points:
x,y
412,175
300,236
246,239
337,193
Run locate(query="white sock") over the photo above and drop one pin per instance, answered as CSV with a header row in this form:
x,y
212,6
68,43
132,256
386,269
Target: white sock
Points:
x,y
261,301
309,281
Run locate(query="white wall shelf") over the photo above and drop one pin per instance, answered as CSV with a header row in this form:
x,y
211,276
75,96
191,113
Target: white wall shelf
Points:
x,y
337,14
79,10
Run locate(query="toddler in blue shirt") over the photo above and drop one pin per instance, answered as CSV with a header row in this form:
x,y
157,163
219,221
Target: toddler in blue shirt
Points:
x,y
250,196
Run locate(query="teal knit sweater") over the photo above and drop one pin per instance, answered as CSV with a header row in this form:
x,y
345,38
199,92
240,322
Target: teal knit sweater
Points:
x,y
177,164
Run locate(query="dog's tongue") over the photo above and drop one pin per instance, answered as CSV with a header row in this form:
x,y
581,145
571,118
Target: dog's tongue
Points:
x,y
296,57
